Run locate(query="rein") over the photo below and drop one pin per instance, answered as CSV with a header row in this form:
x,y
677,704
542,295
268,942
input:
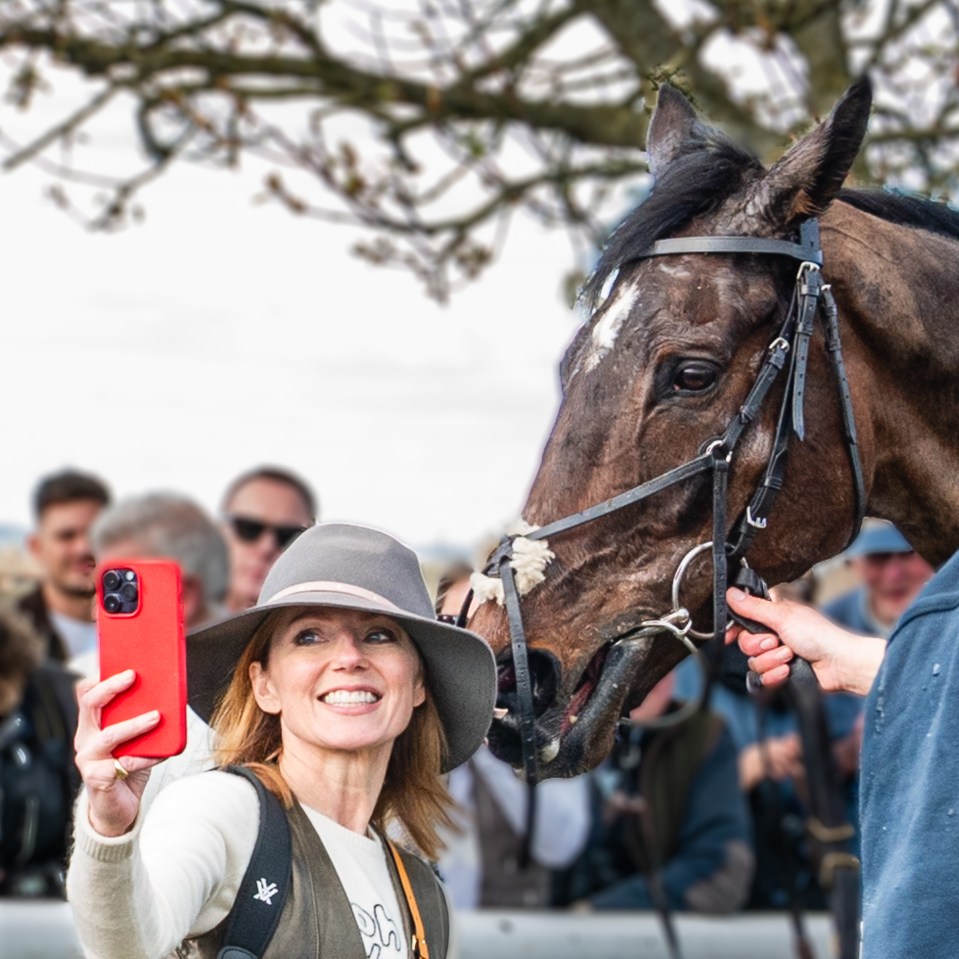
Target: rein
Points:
x,y
789,349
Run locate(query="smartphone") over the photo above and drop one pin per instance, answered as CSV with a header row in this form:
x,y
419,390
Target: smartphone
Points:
x,y
140,626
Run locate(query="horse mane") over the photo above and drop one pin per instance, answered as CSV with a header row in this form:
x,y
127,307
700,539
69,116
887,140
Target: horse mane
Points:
x,y
711,168
919,212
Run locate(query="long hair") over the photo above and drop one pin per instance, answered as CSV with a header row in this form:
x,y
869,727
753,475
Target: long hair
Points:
x,y
414,794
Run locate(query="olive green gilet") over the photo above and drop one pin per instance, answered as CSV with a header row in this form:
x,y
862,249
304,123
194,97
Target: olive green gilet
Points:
x,y
317,921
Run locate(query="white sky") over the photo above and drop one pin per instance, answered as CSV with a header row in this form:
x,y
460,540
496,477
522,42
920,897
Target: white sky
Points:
x,y
222,334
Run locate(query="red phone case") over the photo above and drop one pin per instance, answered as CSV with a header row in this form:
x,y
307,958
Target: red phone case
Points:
x,y
150,640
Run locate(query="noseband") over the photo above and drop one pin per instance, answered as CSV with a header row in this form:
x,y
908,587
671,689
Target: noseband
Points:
x,y
788,348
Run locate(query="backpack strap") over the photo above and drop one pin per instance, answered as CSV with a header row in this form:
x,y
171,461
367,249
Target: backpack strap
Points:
x,y
419,948
266,882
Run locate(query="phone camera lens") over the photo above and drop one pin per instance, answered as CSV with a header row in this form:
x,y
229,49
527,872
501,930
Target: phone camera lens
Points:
x,y
111,580
129,592
112,603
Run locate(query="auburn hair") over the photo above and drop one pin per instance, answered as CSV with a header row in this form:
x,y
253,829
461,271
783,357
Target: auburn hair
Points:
x,y
414,793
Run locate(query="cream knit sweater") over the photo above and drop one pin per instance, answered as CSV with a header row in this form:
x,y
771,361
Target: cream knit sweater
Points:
x,y
176,874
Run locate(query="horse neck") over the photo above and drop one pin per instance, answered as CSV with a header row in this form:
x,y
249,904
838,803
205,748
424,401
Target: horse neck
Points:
x,y
898,300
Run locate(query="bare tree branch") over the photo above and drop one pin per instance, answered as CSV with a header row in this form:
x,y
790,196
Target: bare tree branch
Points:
x,y
432,124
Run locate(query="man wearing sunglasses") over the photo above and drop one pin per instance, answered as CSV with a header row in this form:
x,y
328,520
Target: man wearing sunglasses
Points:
x,y
264,510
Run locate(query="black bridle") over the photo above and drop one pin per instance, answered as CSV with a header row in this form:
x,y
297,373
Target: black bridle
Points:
x,y
788,350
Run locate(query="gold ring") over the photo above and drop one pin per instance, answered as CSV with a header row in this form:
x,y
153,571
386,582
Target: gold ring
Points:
x,y
118,771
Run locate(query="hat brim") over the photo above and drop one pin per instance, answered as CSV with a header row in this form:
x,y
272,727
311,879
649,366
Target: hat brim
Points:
x,y
459,665
872,542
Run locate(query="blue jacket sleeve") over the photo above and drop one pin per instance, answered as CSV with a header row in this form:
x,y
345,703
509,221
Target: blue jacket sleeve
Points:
x,y
712,867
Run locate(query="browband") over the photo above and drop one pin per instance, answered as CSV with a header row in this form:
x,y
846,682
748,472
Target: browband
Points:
x,y
734,244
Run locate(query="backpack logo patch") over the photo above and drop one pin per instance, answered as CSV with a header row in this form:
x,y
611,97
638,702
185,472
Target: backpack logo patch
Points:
x,y
265,891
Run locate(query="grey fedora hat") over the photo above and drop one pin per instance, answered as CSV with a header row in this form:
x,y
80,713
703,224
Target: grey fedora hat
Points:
x,y
356,567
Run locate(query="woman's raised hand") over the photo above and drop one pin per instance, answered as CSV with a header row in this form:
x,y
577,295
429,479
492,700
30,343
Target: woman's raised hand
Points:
x,y
840,660
114,786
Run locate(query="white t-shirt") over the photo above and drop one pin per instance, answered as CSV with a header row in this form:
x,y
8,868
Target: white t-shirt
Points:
x,y
79,635
360,863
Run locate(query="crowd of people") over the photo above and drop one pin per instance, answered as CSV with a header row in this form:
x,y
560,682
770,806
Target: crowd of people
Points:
x,y
699,810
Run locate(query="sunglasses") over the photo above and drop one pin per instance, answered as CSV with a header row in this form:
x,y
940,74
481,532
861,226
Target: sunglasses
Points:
x,y
250,530
881,559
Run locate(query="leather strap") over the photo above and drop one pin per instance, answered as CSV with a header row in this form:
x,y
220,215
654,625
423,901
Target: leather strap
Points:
x,y
809,287
685,471
834,350
734,244
524,695
418,947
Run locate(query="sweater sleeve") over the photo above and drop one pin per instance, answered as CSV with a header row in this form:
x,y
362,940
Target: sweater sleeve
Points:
x,y
712,867
174,875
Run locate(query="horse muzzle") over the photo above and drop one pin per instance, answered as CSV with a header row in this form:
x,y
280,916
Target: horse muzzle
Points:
x,y
572,733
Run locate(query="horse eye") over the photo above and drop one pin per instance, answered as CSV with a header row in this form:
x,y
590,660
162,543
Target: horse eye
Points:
x,y
694,377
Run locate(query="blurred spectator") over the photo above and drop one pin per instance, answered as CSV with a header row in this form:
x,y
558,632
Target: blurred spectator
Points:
x,y
481,864
169,525
670,821
264,510
61,607
451,591
38,780
765,731
891,574
772,775
19,573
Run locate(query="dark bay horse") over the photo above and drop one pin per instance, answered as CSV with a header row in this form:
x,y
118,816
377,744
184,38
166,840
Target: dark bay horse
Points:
x,y
663,364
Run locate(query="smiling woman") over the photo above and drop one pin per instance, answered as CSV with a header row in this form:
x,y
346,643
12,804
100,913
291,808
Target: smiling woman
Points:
x,y
340,693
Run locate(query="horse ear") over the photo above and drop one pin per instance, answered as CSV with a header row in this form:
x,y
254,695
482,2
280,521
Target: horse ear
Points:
x,y
806,179
671,130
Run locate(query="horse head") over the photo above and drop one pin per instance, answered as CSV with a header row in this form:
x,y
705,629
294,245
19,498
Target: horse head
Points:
x,y
663,364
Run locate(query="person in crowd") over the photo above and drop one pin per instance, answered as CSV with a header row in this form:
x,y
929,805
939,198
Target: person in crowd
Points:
x,y
891,575
485,863
65,504
909,766
345,696
772,773
173,526
38,779
264,510
671,828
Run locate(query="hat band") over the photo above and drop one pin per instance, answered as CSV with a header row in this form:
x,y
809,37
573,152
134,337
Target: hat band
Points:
x,y
330,586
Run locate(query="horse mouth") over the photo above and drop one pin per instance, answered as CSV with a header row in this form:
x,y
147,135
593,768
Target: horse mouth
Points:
x,y
573,738
584,689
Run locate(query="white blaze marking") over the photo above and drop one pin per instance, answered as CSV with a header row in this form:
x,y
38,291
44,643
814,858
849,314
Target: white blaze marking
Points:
x,y
607,327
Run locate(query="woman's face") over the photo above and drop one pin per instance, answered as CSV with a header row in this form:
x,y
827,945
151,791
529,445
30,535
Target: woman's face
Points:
x,y
340,680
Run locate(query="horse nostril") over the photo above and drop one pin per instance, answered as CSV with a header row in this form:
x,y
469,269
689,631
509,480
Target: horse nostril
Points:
x,y
544,673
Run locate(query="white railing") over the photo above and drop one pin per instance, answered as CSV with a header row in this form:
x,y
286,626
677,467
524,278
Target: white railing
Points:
x,y
44,930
